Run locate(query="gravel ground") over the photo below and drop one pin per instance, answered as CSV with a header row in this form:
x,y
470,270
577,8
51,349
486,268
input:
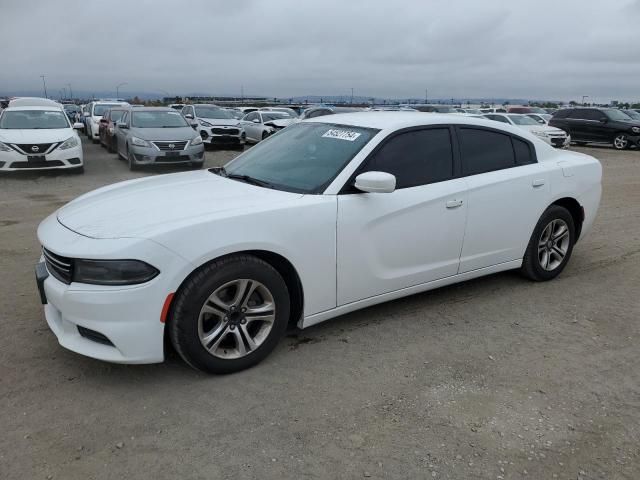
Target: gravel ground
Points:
x,y
494,378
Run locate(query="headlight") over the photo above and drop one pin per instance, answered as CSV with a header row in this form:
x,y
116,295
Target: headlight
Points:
x,y
4,148
540,134
139,142
635,129
196,141
113,272
69,143
205,124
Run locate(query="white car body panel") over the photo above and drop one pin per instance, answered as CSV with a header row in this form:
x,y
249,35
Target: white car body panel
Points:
x,y
349,251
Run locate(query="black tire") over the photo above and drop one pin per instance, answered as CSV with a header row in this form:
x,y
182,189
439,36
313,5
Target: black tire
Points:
x,y
110,147
532,265
131,160
621,141
197,289
580,144
265,135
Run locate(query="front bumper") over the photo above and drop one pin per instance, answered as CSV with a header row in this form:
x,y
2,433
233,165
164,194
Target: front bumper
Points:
x,y
58,159
152,156
557,141
635,140
127,316
214,136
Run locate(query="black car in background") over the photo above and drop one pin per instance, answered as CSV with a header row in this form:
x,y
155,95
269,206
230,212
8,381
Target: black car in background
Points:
x,y
598,125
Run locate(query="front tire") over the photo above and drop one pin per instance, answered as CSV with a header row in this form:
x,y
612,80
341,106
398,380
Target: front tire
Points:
x,y
550,246
230,314
131,160
621,141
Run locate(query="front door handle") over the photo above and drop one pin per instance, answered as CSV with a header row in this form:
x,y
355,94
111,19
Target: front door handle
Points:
x,y
454,203
537,183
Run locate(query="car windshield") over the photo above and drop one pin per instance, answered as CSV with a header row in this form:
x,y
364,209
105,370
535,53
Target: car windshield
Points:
x,y
100,108
616,114
116,115
71,108
304,157
632,114
522,120
161,119
212,112
268,116
33,119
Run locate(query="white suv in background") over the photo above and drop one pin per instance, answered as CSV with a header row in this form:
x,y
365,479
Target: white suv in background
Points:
x,y
95,111
215,125
551,135
36,134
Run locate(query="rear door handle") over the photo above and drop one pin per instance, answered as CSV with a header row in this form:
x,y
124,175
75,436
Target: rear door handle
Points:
x,y
454,203
537,183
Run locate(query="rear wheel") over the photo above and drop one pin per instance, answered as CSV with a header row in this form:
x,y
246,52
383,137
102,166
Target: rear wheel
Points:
x,y
621,141
550,245
230,314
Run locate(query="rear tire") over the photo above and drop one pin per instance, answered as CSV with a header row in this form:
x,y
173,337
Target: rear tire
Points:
x,y
229,314
550,246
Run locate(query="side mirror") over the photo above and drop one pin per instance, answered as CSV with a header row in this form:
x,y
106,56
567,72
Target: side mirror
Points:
x,y
189,116
78,126
256,120
122,125
375,182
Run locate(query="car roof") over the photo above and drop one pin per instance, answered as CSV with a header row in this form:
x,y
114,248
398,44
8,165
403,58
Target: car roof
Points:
x,y
34,102
154,109
51,108
400,120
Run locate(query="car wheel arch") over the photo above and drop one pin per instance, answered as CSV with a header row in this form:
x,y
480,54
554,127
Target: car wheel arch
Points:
x,y
282,265
576,211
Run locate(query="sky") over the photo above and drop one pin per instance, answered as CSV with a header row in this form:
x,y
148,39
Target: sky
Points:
x,y
543,49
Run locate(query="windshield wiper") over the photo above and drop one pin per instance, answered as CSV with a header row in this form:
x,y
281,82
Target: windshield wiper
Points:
x,y
243,178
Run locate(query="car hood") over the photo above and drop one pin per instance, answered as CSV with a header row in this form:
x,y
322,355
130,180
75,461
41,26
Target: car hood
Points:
x,y
280,123
144,207
541,129
35,135
229,122
181,133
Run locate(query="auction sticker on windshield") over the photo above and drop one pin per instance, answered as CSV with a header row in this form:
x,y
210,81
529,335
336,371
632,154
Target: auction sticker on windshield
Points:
x,y
341,134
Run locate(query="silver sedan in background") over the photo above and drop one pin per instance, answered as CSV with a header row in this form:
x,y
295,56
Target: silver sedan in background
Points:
x,y
157,135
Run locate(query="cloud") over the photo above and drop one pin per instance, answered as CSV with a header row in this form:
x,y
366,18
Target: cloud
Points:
x,y
543,49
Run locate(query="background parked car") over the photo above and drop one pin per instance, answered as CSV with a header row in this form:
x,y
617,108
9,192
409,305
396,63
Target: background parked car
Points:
x,y
36,134
633,114
73,112
93,114
553,136
436,108
157,135
288,110
259,125
107,128
493,110
526,110
598,125
215,125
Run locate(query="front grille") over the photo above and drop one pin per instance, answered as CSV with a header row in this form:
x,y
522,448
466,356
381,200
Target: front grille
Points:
x,y
32,148
38,164
225,131
181,158
58,266
94,336
170,146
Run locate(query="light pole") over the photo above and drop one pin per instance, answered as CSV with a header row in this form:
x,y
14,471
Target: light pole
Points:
x,y
351,95
118,89
44,84
70,92
583,98
426,96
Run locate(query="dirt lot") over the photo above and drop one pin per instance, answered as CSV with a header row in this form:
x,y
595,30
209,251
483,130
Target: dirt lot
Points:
x,y
495,378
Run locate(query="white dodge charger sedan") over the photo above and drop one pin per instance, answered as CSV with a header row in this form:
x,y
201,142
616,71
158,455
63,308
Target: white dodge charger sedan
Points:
x,y
325,217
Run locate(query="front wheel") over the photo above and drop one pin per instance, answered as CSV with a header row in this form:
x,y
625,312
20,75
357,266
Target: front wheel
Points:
x,y
131,159
230,314
621,141
550,245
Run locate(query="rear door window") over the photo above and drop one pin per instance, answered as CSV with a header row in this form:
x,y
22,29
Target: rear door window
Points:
x,y
485,151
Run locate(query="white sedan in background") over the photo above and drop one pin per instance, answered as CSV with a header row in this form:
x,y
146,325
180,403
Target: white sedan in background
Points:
x,y
36,134
551,135
329,216
260,124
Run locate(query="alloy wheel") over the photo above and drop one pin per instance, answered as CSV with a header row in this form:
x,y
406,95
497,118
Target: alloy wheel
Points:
x,y
620,142
236,318
553,244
